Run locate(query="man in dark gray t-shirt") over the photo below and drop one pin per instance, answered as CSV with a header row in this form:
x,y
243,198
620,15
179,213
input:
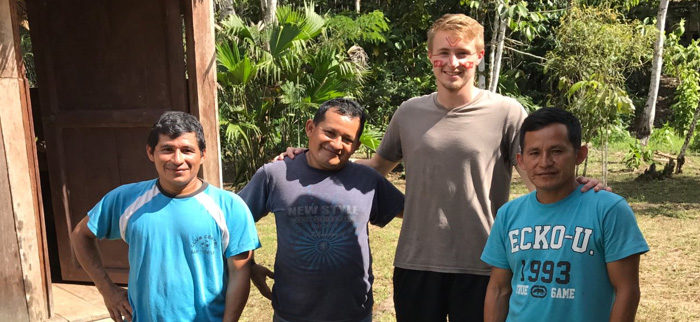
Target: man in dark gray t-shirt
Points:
x,y
322,205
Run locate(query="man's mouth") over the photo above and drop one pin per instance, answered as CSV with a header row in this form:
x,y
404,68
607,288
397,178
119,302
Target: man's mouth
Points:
x,y
331,150
453,73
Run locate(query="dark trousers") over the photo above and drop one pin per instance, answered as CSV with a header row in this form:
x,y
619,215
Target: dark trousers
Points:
x,y
422,296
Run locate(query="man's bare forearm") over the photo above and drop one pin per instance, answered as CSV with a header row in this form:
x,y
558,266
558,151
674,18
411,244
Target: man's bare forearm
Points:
x,y
88,255
496,305
625,306
378,163
238,288
497,295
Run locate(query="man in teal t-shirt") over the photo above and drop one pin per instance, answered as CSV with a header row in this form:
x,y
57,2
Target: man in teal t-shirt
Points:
x,y
558,253
189,242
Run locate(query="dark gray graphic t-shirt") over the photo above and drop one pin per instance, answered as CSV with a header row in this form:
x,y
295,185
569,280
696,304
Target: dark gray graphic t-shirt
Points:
x,y
323,267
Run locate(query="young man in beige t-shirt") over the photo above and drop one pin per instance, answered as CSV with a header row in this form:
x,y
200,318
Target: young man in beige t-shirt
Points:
x,y
458,146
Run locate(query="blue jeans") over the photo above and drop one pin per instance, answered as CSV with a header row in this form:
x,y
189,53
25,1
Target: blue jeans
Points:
x,y
277,318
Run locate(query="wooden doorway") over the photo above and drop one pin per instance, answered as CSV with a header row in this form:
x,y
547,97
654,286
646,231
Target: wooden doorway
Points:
x,y
106,70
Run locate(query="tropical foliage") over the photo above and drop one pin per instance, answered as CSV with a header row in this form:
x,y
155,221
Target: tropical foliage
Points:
x,y
595,53
590,56
272,78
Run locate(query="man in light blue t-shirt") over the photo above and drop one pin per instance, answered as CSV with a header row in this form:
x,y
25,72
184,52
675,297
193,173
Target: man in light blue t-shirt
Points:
x,y
322,205
558,253
190,243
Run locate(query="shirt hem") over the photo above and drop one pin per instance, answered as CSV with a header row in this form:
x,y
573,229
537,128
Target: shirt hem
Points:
x,y
616,257
438,269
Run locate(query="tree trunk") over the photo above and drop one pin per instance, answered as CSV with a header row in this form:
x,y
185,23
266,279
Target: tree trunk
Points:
x,y
481,80
605,156
646,122
688,137
226,9
269,8
492,45
357,6
499,53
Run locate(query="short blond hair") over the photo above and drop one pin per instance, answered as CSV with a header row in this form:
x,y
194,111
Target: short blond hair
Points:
x,y
466,27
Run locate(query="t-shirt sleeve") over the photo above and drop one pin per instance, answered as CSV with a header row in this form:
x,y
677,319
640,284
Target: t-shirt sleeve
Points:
x,y
495,252
515,120
388,202
255,194
390,148
242,233
103,218
622,236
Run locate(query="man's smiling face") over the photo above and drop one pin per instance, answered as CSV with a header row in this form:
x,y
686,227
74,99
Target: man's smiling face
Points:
x,y
454,60
177,162
332,141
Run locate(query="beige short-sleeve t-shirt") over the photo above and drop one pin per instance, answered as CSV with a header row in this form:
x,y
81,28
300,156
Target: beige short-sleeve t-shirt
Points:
x,y
458,170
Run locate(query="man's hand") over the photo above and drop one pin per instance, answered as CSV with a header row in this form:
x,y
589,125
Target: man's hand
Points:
x,y
259,275
117,302
589,183
290,153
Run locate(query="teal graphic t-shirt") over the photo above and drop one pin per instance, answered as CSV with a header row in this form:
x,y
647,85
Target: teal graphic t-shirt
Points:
x,y
558,254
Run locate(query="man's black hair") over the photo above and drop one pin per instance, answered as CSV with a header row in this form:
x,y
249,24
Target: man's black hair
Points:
x,y
174,124
551,115
342,106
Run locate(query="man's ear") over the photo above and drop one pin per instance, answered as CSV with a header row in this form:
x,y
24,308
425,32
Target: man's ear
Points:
x,y
204,155
581,154
519,158
149,152
309,127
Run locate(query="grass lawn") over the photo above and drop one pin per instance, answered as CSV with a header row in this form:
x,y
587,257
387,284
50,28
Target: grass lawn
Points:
x,y
668,213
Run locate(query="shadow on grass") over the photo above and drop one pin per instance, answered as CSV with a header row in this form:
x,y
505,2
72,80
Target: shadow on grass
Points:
x,y
676,197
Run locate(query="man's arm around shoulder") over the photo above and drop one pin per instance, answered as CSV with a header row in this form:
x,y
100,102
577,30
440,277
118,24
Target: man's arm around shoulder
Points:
x,y
88,255
624,277
497,295
238,287
380,164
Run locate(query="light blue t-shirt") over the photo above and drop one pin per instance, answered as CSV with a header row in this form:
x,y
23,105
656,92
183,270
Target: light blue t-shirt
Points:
x,y
558,254
177,247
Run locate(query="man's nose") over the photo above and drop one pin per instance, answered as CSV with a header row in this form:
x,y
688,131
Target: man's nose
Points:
x,y
336,143
452,61
178,157
547,159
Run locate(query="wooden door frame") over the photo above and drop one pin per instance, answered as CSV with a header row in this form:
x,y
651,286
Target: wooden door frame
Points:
x,y
22,169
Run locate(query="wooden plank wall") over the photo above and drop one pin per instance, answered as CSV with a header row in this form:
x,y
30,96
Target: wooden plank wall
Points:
x,y
21,267
201,73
